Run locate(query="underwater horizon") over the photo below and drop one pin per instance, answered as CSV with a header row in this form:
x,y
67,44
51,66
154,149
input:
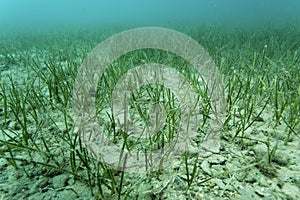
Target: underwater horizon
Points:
x,y
34,14
149,99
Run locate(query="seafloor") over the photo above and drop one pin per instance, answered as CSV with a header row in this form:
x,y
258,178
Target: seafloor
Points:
x,y
42,156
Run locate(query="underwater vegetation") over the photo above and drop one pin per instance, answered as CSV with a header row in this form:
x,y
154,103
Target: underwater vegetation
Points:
x,y
43,157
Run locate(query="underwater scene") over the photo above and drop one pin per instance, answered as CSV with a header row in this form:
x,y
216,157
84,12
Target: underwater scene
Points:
x,y
140,99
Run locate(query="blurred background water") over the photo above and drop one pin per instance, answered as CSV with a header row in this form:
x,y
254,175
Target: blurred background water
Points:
x,y
25,14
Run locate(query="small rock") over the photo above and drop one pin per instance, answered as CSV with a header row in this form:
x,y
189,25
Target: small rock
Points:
x,y
251,177
67,195
263,182
205,166
219,183
14,125
60,180
281,159
260,192
291,190
260,150
217,160
39,185
246,192
229,185
217,170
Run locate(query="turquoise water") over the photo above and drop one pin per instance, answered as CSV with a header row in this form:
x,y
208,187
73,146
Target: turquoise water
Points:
x,y
66,13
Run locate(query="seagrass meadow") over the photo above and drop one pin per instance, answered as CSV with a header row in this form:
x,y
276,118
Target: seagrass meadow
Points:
x,y
43,157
